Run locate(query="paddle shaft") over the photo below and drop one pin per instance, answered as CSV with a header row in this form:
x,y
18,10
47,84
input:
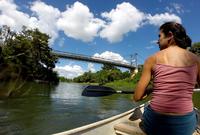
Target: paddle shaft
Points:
x,y
97,91
125,92
116,91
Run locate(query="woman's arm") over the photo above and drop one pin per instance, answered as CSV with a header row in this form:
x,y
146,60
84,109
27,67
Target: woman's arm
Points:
x,y
144,80
198,76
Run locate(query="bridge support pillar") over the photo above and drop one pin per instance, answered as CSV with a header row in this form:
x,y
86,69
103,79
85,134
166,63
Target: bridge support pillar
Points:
x,y
133,72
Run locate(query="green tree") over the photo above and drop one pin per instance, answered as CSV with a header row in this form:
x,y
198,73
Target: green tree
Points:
x,y
108,67
126,74
108,73
102,77
29,52
196,48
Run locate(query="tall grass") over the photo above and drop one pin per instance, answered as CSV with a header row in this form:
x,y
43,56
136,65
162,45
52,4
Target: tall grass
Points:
x,y
196,99
126,85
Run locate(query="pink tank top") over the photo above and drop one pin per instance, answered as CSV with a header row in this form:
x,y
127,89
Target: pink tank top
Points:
x,y
173,88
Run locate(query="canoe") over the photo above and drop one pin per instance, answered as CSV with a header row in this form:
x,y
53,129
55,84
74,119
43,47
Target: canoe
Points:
x,y
127,123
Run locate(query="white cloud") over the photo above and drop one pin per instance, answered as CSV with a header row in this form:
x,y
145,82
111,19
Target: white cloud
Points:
x,y
79,23
150,47
159,19
47,18
91,67
175,7
11,16
6,20
69,71
168,9
127,18
178,7
110,56
154,41
123,19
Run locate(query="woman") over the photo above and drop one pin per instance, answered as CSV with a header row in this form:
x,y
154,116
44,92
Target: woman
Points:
x,y
175,72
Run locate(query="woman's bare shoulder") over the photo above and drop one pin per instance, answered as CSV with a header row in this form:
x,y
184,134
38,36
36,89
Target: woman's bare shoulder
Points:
x,y
160,53
158,57
157,54
151,60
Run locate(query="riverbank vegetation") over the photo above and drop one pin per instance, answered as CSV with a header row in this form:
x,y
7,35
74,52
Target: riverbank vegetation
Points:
x,y
27,55
24,57
195,98
108,73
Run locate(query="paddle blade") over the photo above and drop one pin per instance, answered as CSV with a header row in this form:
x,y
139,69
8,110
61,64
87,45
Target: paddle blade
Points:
x,y
95,94
97,91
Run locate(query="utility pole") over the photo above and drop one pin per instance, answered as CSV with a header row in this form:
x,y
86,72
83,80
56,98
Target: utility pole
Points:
x,y
131,59
135,57
134,60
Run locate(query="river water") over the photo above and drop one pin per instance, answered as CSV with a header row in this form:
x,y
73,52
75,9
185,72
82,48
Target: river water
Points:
x,y
49,110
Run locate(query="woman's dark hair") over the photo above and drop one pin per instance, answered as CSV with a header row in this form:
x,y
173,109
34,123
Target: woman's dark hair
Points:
x,y
179,33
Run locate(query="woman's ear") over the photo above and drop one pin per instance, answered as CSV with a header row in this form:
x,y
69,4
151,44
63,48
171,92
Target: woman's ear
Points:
x,y
170,35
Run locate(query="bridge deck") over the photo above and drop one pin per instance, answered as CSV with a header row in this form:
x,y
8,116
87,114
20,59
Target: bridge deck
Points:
x,y
92,59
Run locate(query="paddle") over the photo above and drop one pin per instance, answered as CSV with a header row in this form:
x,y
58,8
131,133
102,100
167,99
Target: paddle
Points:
x,y
98,91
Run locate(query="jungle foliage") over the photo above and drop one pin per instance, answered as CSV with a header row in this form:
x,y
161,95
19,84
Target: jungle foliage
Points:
x,y
196,48
26,55
108,73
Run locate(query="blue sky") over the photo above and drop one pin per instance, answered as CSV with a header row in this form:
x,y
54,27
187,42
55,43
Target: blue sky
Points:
x,y
113,29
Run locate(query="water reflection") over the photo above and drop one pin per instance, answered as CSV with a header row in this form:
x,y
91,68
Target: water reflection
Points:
x,y
47,110
69,91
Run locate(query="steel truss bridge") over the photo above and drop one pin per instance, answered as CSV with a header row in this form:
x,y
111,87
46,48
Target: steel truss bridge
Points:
x,y
81,57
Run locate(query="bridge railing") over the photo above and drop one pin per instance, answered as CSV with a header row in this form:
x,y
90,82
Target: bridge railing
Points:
x,y
92,58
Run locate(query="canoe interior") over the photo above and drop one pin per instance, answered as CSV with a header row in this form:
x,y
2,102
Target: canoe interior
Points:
x,y
127,123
